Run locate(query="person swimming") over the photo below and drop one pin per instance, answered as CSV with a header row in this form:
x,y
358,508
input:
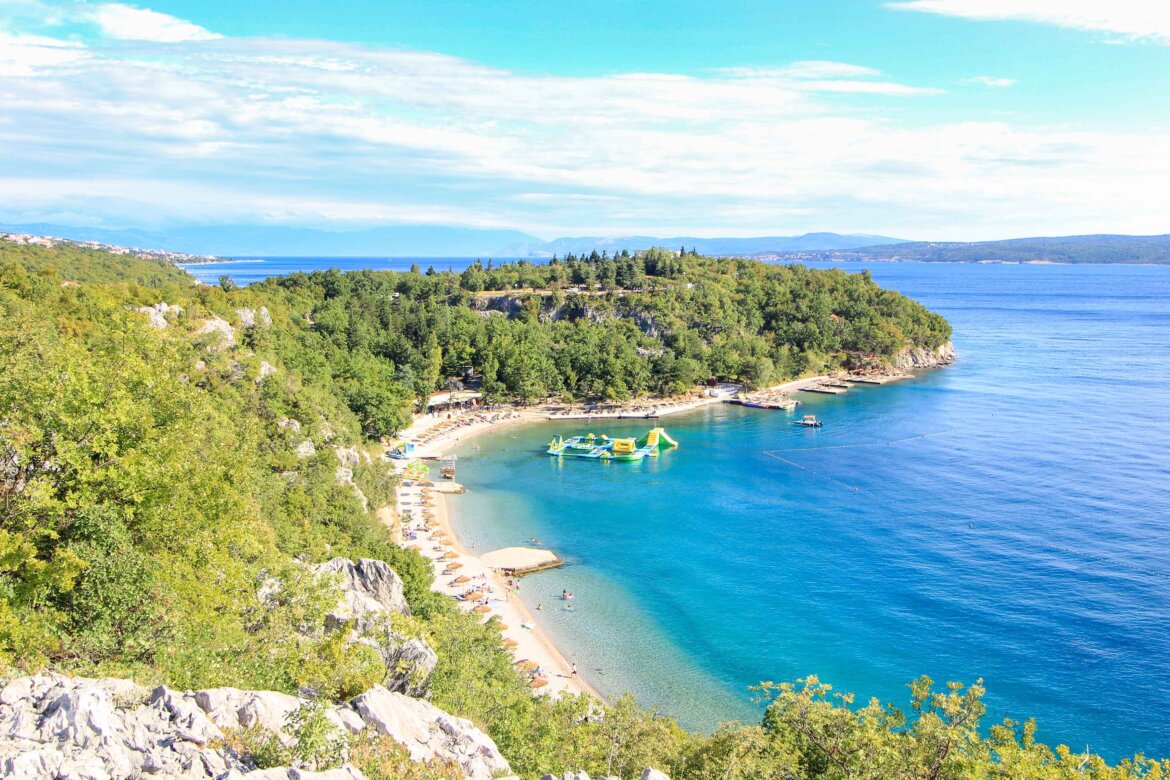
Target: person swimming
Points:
x,y
566,595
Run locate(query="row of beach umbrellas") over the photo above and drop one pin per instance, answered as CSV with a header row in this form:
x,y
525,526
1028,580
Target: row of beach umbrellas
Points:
x,y
451,565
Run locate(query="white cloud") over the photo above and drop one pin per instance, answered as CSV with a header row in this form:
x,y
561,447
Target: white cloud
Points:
x,y
990,81
323,133
125,22
1134,19
23,55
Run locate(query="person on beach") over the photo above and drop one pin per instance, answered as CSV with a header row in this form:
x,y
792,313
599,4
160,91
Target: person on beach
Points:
x,y
573,672
540,607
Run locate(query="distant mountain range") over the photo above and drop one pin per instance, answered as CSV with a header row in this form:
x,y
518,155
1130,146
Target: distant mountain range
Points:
x,y
726,247
431,241
1065,249
421,241
277,241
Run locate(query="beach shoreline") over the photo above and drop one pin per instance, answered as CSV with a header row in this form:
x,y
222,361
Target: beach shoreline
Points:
x,y
532,641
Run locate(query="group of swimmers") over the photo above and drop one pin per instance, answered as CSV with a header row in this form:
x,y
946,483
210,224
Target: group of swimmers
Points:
x,y
566,596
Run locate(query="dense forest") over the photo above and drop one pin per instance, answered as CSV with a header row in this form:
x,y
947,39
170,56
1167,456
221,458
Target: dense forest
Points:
x,y
152,483
593,328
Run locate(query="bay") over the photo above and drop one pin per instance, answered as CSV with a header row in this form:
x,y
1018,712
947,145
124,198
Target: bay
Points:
x,y
1004,518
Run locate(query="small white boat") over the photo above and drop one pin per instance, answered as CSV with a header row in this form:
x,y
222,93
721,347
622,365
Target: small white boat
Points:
x,y
808,421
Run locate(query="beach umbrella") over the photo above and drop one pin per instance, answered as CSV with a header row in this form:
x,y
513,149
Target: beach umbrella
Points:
x,y
431,521
477,596
447,556
461,579
482,609
527,666
510,643
455,565
416,547
538,682
502,626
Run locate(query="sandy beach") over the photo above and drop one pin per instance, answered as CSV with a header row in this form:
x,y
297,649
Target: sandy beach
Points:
x,y
425,525
465,577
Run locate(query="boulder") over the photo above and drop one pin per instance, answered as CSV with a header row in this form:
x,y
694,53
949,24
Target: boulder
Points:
x,y
158,313
305,449
367,586
289,424
219,326
254,319
428,732
654,774
231,708
409,665
266,370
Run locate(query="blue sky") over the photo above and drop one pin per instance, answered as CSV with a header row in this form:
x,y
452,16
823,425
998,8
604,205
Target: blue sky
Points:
x,y
963,119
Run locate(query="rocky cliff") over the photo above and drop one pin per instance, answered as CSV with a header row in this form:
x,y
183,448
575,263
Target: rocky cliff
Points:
x,y
911,358
75,728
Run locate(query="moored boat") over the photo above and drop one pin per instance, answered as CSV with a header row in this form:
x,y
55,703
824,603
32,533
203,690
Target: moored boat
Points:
x,y
808,421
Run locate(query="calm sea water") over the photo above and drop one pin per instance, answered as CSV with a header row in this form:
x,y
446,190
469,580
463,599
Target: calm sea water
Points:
x,y
1020,538
251,270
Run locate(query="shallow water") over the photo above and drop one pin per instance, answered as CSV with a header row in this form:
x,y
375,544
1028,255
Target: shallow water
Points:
x,y
1021,540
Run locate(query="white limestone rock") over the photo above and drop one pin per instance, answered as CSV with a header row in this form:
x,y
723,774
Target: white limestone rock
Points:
x,y
289,424
158,313
368,586
220,326
428,732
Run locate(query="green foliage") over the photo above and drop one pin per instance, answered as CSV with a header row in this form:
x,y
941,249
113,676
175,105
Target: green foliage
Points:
x,y
63,263
155,520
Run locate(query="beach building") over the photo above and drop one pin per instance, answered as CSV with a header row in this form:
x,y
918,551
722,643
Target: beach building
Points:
x,y
454,401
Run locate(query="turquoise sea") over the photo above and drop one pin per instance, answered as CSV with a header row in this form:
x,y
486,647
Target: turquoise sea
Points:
x,y
1022,538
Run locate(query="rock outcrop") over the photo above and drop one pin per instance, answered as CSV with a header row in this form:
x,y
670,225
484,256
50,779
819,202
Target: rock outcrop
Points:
x,y
158,313
369,592
254,319
428,732
367,586
100,729
217,325
911,358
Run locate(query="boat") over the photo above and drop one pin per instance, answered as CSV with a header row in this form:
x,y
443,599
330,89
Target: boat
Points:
x,y
609,449
808,421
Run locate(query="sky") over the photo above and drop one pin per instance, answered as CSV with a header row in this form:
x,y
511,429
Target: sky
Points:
x,y
922,119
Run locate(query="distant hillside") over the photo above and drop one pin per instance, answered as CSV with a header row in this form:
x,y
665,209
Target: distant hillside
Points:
x,y
83,265
716,247
1067,249
276,241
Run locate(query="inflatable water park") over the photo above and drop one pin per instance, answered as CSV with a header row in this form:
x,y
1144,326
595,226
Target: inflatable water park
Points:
x,y
609,449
